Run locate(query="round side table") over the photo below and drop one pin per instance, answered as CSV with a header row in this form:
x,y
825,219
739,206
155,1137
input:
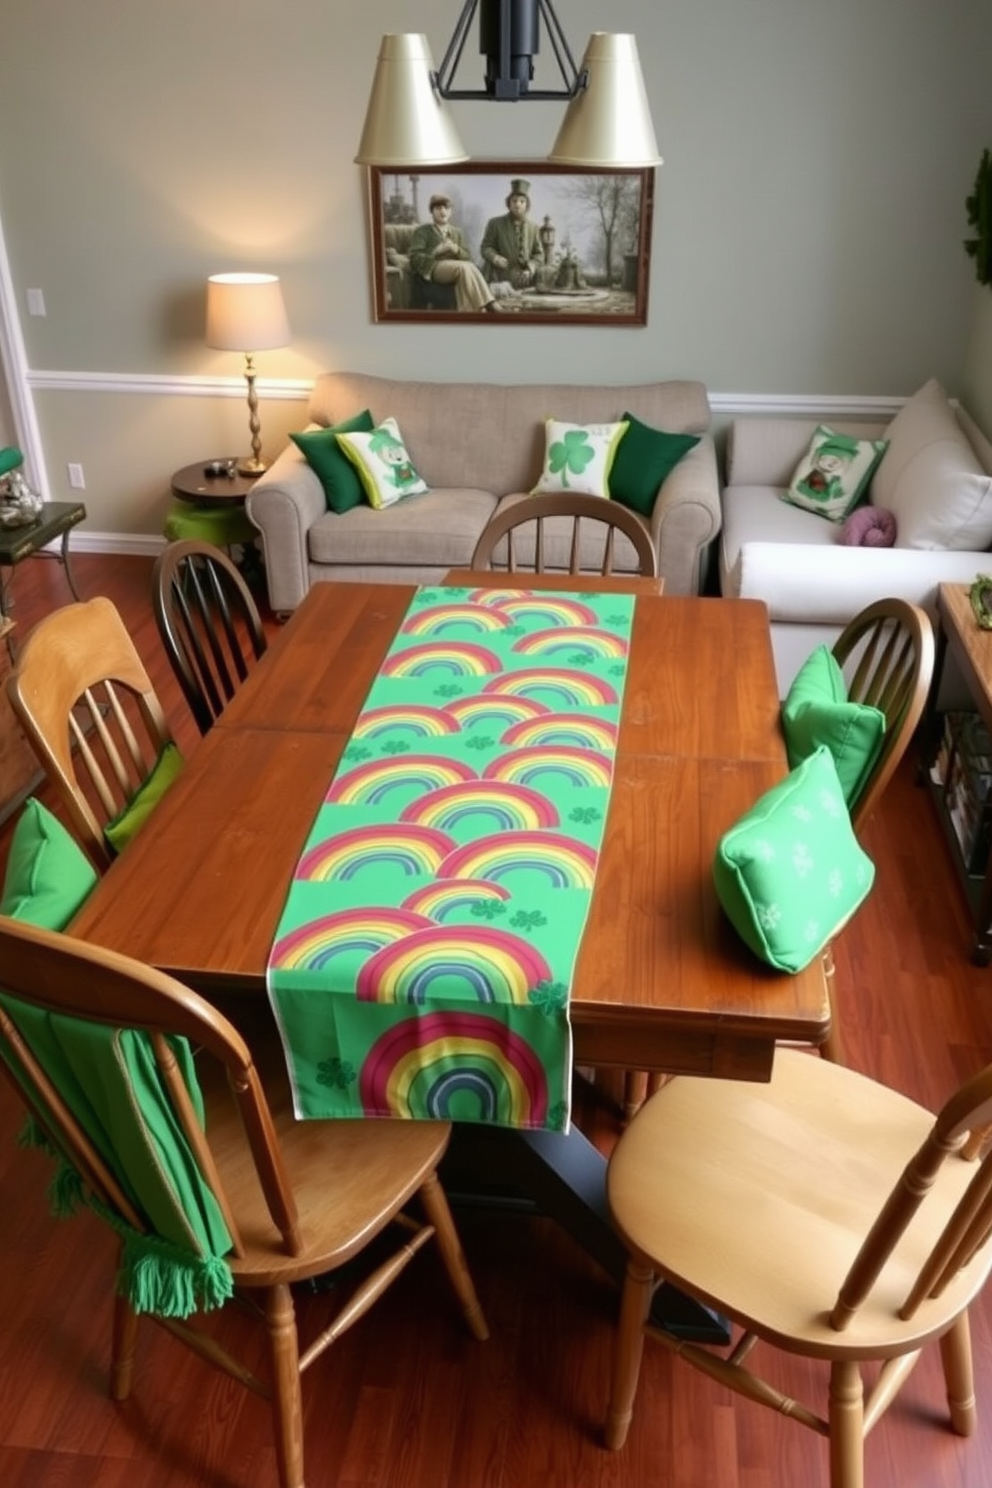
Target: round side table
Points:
x,y
211,508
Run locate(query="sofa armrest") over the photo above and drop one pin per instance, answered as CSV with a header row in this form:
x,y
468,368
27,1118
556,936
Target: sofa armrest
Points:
x,y
812,585
284,504
686,519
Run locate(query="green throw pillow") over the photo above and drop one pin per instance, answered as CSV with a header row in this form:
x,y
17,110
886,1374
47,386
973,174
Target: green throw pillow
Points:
x,y
127,823
790,873
817,711
834,473
645,457
48,875
342,488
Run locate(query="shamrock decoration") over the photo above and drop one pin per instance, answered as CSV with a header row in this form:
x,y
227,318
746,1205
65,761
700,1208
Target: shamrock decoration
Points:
x,y
573,452
335,1072
979,209
548,997
528,919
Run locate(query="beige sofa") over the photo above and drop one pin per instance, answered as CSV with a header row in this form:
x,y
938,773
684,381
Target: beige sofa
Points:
x,y
474,444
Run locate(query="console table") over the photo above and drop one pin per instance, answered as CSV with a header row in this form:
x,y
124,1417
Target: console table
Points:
x,y
57,519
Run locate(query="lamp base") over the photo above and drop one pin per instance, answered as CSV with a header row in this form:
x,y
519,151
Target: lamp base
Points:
x,y
250,465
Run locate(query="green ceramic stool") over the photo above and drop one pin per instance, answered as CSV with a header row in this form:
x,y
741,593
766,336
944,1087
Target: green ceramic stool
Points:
x,y
220,525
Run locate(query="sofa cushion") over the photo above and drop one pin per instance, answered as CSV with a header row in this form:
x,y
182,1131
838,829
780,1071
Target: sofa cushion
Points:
x,y
438,530
931,478
578,458
324,455
790,872
644,458
817,711
833,474
384,467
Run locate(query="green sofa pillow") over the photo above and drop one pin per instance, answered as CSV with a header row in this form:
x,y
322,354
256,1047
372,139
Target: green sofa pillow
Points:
x,y
644,458
48,875
320,448
817,711
127,823
790,873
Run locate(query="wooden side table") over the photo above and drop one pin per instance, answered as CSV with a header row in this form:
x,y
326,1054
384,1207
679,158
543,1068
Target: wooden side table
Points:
x,y
211,508
57,519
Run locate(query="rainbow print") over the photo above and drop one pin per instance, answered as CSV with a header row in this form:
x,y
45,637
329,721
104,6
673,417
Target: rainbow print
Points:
x,y
439,618
580,730
553,609
369,784
576,689
420,720
312,946
455,1064
507,807
567,862
412,849
458,658
583,637
582,767
453,962
446,900
495,712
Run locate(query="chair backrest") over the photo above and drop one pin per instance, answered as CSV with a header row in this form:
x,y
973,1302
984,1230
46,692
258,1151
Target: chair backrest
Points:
x,y
887,655
209,624
89,711
556,540
961,1123
98,1110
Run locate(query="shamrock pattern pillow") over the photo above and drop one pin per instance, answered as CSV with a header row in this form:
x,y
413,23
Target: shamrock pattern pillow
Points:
x,y
791,872
834,474
578,458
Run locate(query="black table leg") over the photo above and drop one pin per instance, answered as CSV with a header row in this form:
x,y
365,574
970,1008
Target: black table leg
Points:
x,y
563,1177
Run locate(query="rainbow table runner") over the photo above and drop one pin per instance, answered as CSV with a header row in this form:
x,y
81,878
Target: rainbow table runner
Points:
x,y
423,960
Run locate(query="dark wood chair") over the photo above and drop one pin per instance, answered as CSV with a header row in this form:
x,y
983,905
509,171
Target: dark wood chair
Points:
x,y
90,713
297,1199
209,624
564,534
823,1213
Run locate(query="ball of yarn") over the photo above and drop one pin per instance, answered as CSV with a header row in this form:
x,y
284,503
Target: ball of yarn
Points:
x,y
869,527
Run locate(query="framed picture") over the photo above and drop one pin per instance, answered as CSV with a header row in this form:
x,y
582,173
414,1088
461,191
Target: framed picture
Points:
x,y
510,244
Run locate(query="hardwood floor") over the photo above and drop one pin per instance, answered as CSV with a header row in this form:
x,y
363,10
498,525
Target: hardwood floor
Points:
x,y
407,1399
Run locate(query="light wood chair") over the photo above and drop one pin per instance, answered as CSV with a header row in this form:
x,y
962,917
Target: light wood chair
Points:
x,y
822,1213
299,1198
208,622
90,713
557,541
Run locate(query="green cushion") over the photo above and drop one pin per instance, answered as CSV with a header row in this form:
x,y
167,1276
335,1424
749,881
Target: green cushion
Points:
x,y
817,711
220,525
127,823
834,473
790,873
342,486
48,875
644,458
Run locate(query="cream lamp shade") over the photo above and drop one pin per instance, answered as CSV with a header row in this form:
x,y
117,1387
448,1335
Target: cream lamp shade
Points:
x,y
608,123
407,122
245,312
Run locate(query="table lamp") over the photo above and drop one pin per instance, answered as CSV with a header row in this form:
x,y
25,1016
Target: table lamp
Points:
x,y
247,311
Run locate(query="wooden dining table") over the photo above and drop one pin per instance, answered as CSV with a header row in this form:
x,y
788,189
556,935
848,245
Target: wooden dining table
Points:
x,y
662,981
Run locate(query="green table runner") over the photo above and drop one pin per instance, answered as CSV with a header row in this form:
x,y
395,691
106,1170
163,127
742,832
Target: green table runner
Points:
x,y
423,960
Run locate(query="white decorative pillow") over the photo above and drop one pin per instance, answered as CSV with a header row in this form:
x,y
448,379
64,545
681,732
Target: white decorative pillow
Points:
x,y
383,465
578,457
833,474
932,479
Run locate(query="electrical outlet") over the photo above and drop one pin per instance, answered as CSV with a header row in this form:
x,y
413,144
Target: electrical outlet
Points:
x,y
36,302
77,480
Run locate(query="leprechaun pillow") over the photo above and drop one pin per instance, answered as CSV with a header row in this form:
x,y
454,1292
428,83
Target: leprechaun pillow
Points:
x,y
833,475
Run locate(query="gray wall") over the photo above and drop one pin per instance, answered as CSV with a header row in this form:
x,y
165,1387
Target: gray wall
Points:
x,y
807,235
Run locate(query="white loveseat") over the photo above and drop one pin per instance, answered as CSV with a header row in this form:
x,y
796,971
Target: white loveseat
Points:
x,y
938,483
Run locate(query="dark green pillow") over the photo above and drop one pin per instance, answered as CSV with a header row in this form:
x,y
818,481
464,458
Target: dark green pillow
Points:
x,y
127,823
48,875
644,458
817,711
323,454
791,872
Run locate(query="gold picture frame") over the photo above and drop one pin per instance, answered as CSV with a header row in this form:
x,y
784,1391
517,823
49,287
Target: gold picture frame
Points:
x,y
585,259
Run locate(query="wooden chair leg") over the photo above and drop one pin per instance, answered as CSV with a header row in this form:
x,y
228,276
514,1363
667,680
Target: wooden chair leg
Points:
x,y
832,1048
847,1435
436,1206
122,1354
287,1402
635,1089
959,1376
628,1347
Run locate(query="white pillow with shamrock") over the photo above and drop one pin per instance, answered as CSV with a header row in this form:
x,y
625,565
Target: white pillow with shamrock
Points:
x,y
578,457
